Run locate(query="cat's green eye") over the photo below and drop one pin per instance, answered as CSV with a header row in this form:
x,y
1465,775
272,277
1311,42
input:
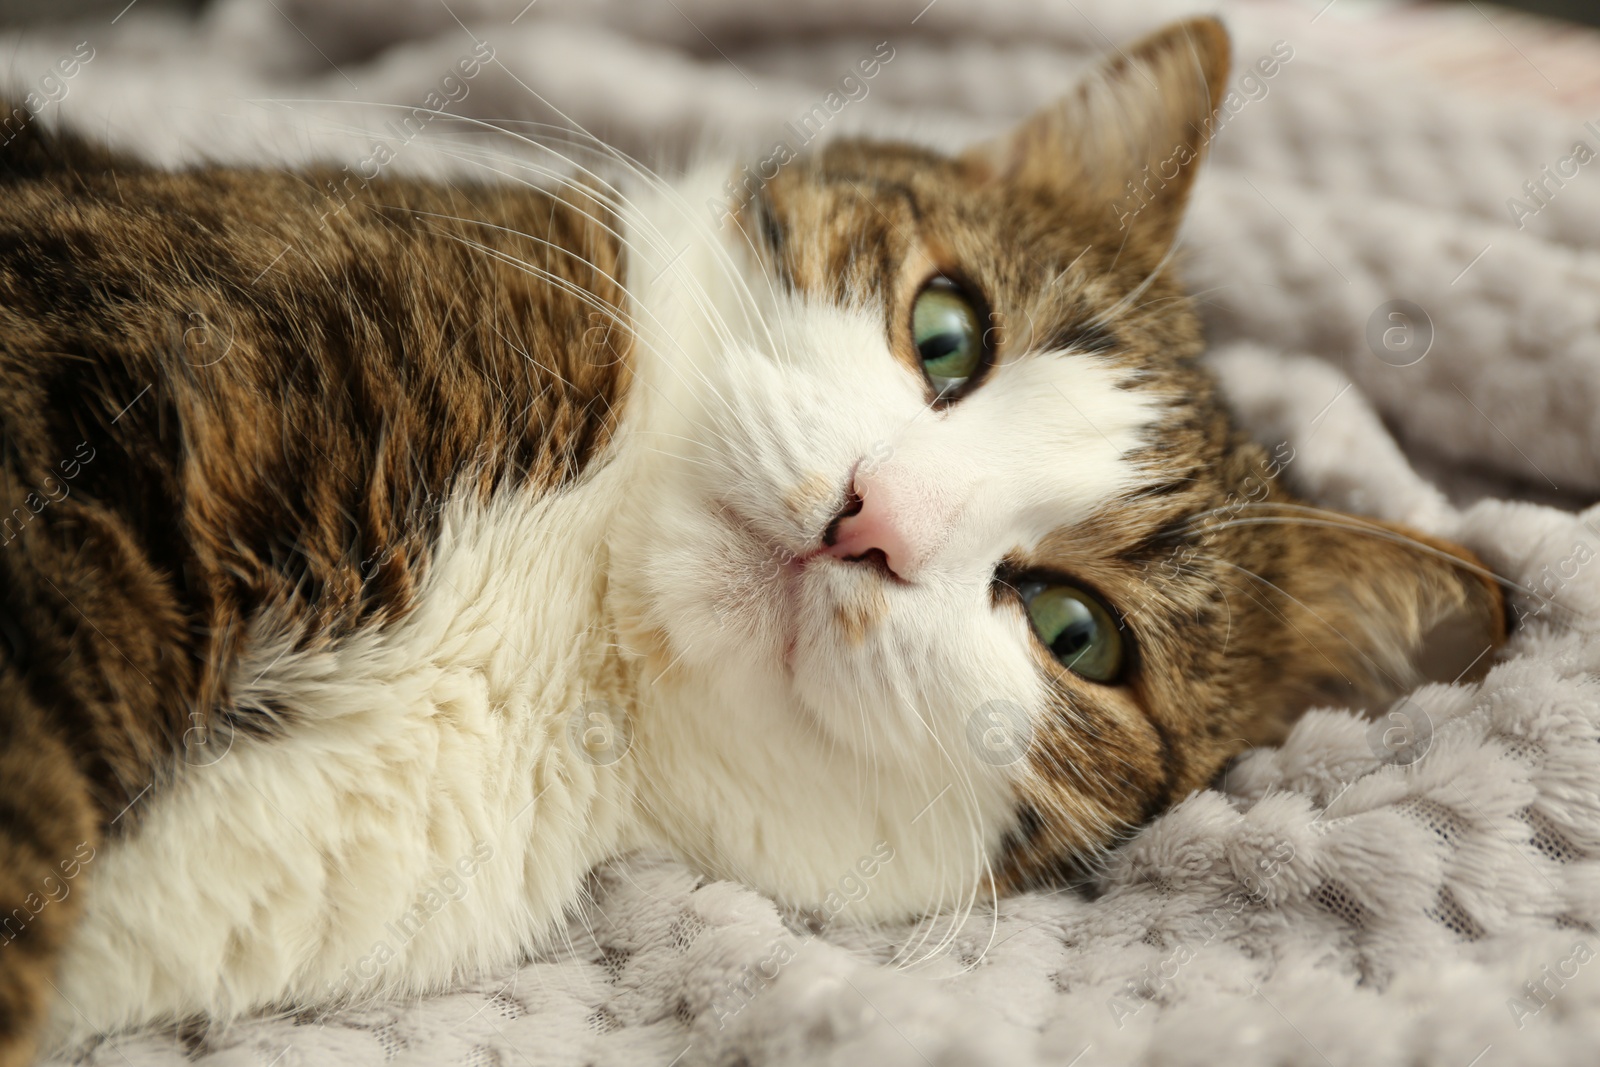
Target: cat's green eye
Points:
x,y
947,335
1078,629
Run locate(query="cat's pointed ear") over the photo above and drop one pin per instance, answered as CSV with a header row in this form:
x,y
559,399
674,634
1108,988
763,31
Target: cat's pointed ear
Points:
x,y
1129,139
1376,608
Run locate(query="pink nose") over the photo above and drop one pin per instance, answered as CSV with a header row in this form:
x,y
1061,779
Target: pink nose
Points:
x,y
876,525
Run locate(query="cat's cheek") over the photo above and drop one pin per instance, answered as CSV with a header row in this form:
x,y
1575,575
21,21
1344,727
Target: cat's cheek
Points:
x,y
709,595
908,688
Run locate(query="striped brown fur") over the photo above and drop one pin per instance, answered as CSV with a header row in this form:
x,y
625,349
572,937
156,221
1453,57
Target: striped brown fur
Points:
x,y
263,413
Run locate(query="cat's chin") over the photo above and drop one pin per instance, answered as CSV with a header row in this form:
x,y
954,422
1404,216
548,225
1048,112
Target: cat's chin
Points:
x,y
757,585
813,600
793,612
807,607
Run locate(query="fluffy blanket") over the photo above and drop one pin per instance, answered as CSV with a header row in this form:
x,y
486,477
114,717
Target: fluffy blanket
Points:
x,y
1416,885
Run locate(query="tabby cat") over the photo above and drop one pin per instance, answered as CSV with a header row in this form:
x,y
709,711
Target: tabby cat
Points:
x,y
369,575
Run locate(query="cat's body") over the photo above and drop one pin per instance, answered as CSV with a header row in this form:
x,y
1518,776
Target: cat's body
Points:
x,y
427,551
346,722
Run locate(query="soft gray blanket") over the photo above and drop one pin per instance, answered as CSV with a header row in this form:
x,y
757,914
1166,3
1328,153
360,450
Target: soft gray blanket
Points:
x,y
1423,890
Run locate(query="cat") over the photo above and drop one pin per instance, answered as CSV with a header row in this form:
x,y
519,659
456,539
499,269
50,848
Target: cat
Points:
x,y
370,575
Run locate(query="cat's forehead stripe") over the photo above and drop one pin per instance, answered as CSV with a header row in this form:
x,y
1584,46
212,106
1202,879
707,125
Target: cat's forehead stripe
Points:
x,y
851,217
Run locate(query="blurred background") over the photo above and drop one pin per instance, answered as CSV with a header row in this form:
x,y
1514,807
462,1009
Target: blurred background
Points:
x,y
22,12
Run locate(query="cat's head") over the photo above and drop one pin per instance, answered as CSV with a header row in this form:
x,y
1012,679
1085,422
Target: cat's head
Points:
x,y
947,539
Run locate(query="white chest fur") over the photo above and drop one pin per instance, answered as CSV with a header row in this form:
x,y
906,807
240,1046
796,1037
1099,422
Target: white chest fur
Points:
x,y
429,806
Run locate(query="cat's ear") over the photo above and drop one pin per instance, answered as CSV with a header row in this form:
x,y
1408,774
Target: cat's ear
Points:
x,y
1375,608
1129,139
